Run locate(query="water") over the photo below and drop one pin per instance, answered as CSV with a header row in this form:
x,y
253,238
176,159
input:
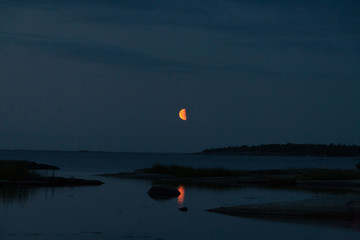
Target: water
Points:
x,y
107,162
121,209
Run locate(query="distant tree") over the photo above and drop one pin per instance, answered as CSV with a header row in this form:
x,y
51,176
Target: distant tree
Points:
x,y
290,149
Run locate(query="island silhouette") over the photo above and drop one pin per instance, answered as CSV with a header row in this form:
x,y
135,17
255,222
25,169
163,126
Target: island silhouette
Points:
x,y
289,149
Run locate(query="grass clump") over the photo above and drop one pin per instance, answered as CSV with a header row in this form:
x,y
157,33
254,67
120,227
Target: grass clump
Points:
x,y
182,171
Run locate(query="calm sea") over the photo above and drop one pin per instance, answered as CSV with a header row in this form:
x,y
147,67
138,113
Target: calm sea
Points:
x,y
121,209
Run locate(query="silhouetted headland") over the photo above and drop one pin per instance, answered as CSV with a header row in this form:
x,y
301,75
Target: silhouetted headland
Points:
x,y
25,173
289,150
313,178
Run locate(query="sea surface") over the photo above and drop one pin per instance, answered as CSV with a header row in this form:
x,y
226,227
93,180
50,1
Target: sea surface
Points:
x,y
122,209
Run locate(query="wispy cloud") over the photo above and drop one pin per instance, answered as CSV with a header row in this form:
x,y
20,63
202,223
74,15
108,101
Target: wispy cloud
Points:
x,y
92,52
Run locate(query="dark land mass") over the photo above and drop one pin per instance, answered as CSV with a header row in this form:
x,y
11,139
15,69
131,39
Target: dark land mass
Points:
x,y
26,164
340,209
289,150
294,178
50,182
25,173
318,208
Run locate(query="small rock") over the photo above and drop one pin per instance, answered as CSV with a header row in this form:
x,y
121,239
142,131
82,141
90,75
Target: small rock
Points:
x,y
183,209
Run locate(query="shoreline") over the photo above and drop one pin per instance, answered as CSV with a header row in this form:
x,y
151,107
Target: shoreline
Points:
x,y
50,182
259,178
337,211
24,173
342,210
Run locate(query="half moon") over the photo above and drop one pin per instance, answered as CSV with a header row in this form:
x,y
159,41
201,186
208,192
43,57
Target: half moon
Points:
x,y
182,114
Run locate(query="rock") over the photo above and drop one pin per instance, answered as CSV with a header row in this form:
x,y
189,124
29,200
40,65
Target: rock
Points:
x,y
163,193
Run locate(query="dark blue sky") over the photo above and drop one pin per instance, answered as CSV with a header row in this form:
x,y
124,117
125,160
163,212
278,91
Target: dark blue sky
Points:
x,y
112,75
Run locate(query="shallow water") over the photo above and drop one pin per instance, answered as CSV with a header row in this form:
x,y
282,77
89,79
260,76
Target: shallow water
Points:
x,y
121,209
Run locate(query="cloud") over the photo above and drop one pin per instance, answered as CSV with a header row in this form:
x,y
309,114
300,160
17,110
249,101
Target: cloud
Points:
x,y
71,69
92,52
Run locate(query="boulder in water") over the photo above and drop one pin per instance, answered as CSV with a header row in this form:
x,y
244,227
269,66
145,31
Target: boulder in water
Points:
x,y
163,193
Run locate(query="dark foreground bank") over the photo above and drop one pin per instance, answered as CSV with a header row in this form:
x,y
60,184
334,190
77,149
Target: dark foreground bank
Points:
x,y
335,210
25,173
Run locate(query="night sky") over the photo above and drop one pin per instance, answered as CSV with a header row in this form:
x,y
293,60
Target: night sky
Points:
x,y
113,75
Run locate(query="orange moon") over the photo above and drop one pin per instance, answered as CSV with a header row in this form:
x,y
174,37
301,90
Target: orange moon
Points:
x,y
182,114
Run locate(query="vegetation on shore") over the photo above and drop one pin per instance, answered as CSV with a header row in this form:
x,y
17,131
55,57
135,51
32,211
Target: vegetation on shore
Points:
x,y
289,150
271,175
182,171
21,170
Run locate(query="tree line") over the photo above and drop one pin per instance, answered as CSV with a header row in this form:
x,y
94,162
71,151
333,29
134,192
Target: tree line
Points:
x,y
289,149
